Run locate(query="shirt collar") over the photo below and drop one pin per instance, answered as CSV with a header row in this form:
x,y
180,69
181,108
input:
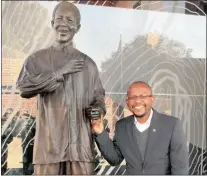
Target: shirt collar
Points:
x,y
148,120
62,47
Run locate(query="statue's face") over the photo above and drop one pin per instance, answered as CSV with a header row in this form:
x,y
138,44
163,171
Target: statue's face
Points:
x,y
65,24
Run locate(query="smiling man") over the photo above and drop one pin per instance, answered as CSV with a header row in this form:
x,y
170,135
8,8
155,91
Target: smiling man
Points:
x,y
66,82
150,142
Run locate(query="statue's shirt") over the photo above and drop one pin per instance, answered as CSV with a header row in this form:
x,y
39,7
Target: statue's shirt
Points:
x,y
63,132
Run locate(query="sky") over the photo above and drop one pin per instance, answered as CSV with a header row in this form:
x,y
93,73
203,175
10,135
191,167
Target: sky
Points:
x,y
101,28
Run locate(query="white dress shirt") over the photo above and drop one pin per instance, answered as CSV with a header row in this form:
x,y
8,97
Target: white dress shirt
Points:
x,y
143,126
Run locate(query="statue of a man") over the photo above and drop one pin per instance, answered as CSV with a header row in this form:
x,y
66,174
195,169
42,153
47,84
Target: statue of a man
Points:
x,y
66,82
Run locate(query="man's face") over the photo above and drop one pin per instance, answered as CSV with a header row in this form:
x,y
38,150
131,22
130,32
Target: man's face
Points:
x,y
65,24
140,99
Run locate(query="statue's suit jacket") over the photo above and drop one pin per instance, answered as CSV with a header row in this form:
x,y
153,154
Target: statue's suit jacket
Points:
x,y
166,152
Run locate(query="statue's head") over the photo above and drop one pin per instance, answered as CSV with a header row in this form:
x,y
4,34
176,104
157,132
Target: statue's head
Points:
x,y
65,21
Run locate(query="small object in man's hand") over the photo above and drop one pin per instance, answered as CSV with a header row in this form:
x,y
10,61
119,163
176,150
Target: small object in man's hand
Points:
x,y
93,113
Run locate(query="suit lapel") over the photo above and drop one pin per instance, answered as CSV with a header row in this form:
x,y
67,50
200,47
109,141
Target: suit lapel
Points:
x,y
131,136
153,135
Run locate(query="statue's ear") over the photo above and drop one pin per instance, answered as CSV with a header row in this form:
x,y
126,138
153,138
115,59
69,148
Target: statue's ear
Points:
x,y
52,23
78,28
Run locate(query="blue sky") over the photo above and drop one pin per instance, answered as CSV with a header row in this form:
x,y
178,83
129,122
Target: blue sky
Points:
x,y
102,26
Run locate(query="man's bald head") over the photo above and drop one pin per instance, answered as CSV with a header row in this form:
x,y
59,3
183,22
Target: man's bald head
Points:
x,y
71,7
141,83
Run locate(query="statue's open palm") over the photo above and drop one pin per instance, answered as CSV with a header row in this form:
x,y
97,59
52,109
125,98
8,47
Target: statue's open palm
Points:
x,y
73,66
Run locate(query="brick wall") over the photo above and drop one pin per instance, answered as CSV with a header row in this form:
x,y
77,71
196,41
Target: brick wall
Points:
x,y
14,101
10,70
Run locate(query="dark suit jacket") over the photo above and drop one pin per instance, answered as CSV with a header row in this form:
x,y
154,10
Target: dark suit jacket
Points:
x,y
166,151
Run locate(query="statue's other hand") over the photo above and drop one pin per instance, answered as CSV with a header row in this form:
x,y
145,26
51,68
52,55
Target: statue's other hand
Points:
x,y
93,113
97,123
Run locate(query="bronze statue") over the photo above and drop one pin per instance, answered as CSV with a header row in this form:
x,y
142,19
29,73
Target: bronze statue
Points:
x,y
66,83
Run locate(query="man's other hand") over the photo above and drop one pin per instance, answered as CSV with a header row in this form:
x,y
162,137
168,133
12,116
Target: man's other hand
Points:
x,y
97,125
